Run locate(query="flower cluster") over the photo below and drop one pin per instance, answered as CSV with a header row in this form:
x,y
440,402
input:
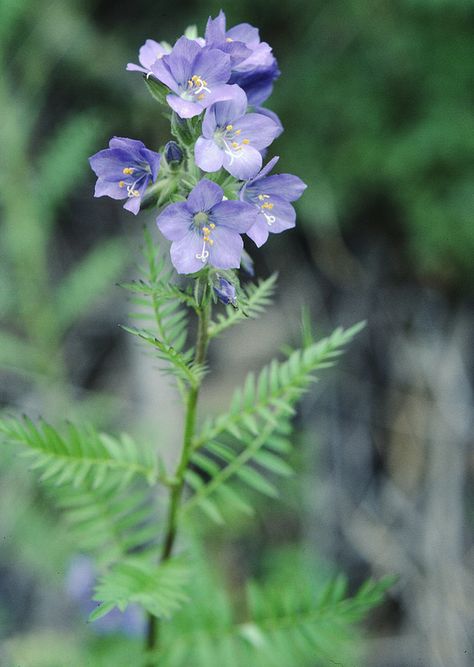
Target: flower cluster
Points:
x,y
213,86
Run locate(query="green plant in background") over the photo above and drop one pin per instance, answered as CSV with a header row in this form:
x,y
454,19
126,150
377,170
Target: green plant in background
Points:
x,y
39,306
123,505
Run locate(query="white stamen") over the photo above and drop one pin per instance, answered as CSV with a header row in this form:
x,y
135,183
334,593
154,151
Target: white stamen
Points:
x,y
204,253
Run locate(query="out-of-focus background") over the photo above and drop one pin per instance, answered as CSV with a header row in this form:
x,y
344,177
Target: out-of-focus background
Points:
x,y
377,102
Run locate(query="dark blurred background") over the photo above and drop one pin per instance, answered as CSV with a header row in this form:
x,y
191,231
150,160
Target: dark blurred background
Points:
x,y
376,99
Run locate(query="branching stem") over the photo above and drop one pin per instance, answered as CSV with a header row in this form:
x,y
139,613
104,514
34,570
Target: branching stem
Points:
x,y
203,307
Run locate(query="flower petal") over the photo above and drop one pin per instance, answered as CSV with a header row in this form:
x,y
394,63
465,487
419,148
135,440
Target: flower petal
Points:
x,y
181,59
204,196
226,250
286,186
149,52
213,66
259,232
184,108
243,164
259,129
109,189
244,32
235,215
174,221
183,253
161,71
208,155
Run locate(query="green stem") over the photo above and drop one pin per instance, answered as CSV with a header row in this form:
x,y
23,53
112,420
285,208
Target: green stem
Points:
x,y
203,312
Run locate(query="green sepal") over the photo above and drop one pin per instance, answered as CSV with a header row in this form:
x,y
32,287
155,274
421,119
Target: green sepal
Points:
x,y
156,89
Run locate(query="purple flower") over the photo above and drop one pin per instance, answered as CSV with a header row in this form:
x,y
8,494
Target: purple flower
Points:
x,y
225,291
205,229
217,37
196,75
233,139
272,195
124,170
148,54
254,67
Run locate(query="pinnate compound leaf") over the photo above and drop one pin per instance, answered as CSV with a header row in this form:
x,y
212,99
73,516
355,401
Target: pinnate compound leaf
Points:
x,y
79,454
159,588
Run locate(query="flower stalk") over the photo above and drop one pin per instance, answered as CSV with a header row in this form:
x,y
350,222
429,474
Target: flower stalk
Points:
x,y
203,310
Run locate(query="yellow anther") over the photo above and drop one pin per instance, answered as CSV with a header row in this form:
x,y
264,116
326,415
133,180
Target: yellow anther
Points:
x,y
205,230
245,141
212,225
238,131
229,128
121,184
135,193
229,39
267,205
210,241
207,239
201,96
234,144
128,170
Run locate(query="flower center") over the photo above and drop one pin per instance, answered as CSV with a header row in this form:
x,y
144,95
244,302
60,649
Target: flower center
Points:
x,y
264,206
228,139
196,87
206,229
135,174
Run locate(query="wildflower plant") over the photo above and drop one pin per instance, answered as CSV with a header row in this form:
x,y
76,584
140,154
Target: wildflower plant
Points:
x,y
211,191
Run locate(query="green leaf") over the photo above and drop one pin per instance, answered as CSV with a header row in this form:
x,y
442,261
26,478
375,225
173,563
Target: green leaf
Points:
x,y
255,429
80,453
156,89
252,302
109,521
158,588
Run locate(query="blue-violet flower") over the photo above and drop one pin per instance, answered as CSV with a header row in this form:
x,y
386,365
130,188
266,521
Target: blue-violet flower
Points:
x,y
197,77
271,195
124,171
233,139
255,72
206,229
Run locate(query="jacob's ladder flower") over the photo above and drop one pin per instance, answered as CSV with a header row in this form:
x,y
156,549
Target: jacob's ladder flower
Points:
x,y
124,171
206,229
271,196
233,139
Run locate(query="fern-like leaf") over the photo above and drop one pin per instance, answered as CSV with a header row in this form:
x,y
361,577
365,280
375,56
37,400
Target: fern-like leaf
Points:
x,y
79,454
285,625
180,365
250,440
158,588
252,302
110,521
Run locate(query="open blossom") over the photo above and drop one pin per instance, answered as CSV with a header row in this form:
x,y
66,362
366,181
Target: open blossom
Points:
x,y
197,76
148,54
205,229
124,171
253,69
233,139
271,195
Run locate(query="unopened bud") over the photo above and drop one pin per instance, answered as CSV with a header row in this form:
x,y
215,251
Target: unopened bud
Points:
x,y
225,292
173,153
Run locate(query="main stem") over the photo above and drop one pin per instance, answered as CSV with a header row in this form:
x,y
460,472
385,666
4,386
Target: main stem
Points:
x,y
202,340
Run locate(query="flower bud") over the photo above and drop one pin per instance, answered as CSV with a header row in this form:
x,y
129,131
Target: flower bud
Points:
x,y
225,292
173,153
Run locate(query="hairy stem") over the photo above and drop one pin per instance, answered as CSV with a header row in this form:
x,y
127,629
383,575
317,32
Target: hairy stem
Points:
x,y
203,312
